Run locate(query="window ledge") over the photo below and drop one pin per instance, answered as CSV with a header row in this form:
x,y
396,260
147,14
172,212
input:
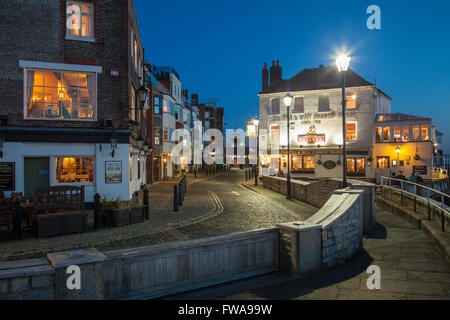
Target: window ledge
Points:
x,y
84,39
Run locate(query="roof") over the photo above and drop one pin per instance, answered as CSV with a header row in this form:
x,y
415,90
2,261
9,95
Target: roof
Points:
x,y
396,117
318,79
438,133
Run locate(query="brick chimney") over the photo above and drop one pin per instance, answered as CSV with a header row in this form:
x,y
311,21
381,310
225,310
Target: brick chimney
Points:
x,y
275,72
194,99
265,77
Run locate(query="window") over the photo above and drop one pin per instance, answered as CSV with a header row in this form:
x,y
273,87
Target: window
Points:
x,y
383,162
275,133
424,132
133,104
74,169
351,101
80,20
157,140
303,163
133,52
405,133
166,106
356,166
298,105
139,168
157,105
397,134
324,103
59,95
416,133
386,134
351,131
275,106
379,134
166,134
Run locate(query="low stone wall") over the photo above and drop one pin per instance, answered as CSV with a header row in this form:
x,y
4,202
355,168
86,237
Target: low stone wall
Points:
x,y
171,268
314,193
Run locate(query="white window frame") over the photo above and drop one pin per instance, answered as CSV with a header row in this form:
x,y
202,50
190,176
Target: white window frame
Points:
x,y
58,67
81,38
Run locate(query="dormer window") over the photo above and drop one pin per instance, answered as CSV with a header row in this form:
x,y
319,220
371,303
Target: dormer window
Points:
x,y
80,21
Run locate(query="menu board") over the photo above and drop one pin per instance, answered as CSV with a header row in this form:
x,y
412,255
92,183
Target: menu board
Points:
x,y
7,176
420,170
113,172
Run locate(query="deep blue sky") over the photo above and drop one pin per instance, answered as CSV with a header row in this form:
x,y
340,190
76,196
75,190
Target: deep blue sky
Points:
x,y
219,48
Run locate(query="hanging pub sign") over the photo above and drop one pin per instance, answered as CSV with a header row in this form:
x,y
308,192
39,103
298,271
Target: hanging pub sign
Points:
x,y
311,137
7,176
113,172
330,164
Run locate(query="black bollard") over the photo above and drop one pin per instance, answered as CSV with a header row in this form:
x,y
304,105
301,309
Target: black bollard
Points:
x,y
180,194
146,203
175,198
195,173
97,212
256,176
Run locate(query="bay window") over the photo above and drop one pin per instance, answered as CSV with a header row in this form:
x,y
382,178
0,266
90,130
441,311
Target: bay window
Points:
x,y
60,95
80,20
74,169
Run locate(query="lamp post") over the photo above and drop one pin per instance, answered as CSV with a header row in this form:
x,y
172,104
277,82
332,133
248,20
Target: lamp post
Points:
x,y
343,62
287,102
256,123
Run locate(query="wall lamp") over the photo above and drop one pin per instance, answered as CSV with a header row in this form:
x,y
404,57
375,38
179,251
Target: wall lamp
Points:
x,y
113,145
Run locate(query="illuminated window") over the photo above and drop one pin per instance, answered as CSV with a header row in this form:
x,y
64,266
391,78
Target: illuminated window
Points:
x,y
383,162
74,169
405,133
157,105
424,131
298,105
275,106
303,163
80,20
351,131
379,134
356,166
309,162
165,106
275,133
133,104
416,133
386,134
351,101
166,134
60,95
397,134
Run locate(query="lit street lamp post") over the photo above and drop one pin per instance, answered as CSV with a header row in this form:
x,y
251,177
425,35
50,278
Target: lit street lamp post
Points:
x,y
287,102
343,62
256,123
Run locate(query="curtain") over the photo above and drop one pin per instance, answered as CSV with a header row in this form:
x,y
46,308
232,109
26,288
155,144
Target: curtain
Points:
x,y
92,90
30,84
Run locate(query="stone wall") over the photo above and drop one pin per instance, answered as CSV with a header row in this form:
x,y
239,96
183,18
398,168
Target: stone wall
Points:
x,y
314,193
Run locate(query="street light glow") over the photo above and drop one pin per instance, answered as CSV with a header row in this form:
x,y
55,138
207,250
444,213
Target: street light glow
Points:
x,y
343,62
287,99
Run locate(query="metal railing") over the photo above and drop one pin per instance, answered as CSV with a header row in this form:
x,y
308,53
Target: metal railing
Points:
x,y
419,192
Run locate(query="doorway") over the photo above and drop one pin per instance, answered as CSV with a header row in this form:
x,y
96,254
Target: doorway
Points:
x,y
36,174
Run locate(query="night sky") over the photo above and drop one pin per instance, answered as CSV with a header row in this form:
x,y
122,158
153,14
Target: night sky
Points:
x,y
219,48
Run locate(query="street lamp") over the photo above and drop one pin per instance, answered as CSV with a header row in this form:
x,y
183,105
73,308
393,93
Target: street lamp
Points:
x,y
342,63
256,124
140,142
287,102
142,94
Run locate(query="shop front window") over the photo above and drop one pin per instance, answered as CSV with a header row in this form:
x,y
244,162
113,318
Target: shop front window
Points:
x,y
58,95
74,169
356,166
383,162
303,164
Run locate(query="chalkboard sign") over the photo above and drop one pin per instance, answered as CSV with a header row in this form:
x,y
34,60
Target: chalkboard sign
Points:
x,y
420,170
7,176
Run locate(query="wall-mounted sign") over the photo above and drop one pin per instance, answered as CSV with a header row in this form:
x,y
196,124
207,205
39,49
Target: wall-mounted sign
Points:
x,y
7,176
311,137
420,170
114,72
113,172
330,164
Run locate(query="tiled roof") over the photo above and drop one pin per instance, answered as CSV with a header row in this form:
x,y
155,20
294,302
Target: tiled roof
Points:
x,y
395,117
317,79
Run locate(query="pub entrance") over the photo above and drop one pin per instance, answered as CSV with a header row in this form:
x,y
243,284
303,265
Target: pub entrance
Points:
x,y
36,174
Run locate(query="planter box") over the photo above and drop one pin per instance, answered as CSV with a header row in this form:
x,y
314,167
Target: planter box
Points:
x,y
116,218
56,224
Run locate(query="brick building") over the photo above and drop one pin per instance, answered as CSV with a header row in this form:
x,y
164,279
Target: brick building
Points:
x,y
69,77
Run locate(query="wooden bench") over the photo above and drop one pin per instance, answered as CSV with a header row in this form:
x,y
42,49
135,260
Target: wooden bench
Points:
x,y
58,211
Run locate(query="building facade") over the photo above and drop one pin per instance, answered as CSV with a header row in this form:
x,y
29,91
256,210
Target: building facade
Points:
x,y
316,123
69,76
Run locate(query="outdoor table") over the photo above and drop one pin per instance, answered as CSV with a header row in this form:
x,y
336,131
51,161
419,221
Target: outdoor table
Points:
x,y
28,209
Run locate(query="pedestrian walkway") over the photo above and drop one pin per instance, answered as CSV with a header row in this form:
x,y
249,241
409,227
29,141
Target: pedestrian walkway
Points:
x,y
411,268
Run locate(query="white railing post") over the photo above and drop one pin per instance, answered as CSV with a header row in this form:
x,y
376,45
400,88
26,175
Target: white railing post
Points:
x,y
415,189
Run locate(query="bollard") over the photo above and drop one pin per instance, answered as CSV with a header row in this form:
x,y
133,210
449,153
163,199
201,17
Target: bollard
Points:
x,y
180,194
175,198
246,175
97,212
146,203
256,176
195,173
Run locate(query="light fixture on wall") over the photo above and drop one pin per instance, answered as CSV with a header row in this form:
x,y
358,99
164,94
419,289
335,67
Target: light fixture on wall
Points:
x,y
140,142
113,145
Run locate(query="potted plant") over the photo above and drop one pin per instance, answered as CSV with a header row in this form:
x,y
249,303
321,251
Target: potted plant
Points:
x,y
115,212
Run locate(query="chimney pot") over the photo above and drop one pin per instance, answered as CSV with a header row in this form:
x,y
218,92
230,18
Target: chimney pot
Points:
x,y
273,63
278,63
265,65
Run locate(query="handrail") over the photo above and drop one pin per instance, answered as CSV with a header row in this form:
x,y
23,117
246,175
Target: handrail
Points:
x,y
442,194
444,210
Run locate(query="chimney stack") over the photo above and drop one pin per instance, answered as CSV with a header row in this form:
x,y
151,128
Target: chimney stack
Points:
x,y
265,77
275,72
194,99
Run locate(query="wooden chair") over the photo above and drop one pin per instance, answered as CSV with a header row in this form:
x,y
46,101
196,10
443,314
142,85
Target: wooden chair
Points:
x,y
6,216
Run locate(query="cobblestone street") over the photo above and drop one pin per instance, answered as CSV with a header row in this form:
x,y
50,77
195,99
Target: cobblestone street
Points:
x,y
214,205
